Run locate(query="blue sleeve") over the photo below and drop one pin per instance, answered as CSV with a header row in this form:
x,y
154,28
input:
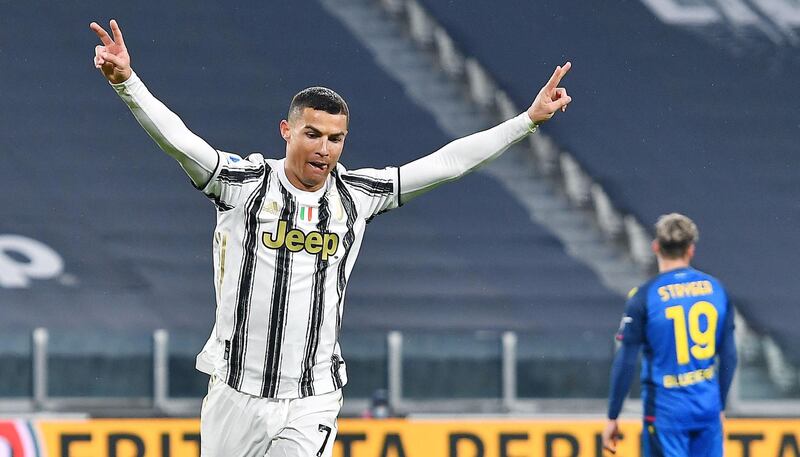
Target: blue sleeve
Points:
x,y
631,335
727,355
622,371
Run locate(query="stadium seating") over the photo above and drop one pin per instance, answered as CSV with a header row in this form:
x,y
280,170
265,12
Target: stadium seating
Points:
x,y
135,236
700,120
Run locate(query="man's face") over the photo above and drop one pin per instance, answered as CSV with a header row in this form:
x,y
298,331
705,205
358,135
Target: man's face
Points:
x,y
314,142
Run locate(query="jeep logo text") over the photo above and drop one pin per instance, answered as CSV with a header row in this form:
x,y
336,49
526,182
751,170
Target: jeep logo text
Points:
x,y
295,240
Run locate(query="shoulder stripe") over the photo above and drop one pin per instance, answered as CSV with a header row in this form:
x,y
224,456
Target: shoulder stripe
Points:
x,y
632,292
240,175
365,177
376,182
368,184
367,190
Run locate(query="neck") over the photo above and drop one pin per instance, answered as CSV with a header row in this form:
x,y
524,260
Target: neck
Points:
x,y
297,183
671,264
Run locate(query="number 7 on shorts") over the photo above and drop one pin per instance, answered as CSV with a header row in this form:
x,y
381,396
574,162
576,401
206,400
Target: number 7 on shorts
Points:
x,y
327,430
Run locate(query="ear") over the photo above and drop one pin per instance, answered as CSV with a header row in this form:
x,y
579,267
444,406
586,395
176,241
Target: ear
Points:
x,y
654,247
690,252
286,130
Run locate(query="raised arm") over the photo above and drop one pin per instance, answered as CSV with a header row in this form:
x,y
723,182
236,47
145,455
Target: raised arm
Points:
x,y
195,156
463,155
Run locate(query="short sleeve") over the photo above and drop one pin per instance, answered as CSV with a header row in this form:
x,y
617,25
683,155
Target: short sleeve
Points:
x,y
232,175
632,327
376,190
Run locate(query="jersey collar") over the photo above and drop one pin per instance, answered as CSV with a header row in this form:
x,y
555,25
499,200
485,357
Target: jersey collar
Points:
x,y
301,195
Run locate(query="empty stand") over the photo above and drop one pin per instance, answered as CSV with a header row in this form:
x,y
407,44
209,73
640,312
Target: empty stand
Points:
x,y
668,118
135,237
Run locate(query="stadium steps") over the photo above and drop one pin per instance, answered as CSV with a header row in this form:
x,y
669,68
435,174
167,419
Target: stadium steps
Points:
x,y
534,291
136,236
417,70
747,179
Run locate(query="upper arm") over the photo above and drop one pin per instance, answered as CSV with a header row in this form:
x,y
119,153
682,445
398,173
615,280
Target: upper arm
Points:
x,y
631,335
196,156
376,190
726,340
231,176
461,156
632,329
726,350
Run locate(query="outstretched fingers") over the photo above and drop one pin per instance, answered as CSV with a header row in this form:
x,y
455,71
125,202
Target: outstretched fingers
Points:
x,y
101,33
557,75
117,33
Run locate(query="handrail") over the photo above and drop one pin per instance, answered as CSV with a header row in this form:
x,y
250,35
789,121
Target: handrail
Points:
x,y
508,402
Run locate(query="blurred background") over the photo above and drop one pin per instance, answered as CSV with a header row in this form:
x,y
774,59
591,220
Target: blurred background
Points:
x,y
497,294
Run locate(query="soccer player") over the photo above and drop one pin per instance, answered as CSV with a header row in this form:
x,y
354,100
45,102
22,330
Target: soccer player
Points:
x,y
683,321
288,233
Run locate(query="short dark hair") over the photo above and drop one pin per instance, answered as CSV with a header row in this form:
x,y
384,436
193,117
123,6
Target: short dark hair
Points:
x,y
674,234
319,98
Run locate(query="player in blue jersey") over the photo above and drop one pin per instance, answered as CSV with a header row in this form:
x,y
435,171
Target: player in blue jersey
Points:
x,y
683,322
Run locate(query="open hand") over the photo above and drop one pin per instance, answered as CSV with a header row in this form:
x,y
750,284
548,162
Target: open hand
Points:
x,y
111,58
551,98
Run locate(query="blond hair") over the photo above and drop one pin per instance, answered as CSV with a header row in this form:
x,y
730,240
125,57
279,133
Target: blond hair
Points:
x,y
674,234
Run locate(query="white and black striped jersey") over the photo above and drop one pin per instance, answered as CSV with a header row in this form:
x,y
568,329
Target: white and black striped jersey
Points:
x,y
282,258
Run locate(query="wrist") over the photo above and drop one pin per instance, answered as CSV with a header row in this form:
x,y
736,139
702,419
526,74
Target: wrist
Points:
x,y
530,124
532,118
123,79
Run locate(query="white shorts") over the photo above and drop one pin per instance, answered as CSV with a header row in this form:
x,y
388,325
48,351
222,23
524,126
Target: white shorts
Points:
x,y
235,424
